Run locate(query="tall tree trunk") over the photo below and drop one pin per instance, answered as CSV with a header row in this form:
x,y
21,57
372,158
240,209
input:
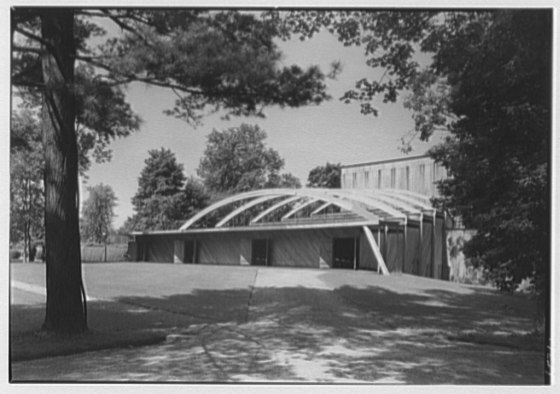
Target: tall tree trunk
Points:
x,y
65,305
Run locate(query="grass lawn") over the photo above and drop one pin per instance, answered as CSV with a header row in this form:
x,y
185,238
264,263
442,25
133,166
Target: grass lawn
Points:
x,y
228,324
110,325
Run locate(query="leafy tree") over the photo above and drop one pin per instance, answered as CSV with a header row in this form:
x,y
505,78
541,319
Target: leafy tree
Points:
x,y
165,197
489,86
237,160
287,180
26,189
325,176
211,60
102,112
498,151
98,214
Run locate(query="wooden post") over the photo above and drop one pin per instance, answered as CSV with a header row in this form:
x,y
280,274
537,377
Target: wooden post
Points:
x,y
404,247
444,261
378,243
420,243
385,242
433,249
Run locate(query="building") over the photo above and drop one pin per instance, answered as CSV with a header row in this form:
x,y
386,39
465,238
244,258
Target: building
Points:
x,y
418,174
386,230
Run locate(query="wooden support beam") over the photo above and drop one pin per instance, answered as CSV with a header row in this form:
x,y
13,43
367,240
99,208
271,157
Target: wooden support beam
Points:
x,y
379,244
355,253
243,208
444,261
404,248
375,250
433,251
298,208
325,205
386,241
420,243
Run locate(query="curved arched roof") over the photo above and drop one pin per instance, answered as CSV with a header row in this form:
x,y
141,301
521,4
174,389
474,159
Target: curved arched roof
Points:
x,y
366,205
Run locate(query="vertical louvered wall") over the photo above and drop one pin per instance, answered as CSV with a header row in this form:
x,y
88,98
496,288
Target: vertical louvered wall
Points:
x,y
418,174
307,248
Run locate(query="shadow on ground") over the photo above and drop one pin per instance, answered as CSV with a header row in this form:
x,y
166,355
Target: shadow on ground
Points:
x,y
349,334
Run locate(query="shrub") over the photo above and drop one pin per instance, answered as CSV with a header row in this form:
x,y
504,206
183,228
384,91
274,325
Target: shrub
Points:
x,y
15,254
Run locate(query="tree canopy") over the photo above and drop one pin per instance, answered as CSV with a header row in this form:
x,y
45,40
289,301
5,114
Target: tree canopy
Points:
x,y
98,213
212,60
26,181
327,176
237,160
498,153
165,197
485,79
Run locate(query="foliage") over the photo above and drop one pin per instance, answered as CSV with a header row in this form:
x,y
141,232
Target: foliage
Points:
x,y
498,153
237,160
26,183
165,197
288,181
389,39
327,176
102,113
211,60
97,213
487,84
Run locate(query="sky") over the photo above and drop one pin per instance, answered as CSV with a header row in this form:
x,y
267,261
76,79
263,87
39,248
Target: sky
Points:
x,y
305,137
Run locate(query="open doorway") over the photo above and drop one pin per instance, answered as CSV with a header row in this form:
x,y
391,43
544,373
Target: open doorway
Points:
x,y
345,253
260,252
191,252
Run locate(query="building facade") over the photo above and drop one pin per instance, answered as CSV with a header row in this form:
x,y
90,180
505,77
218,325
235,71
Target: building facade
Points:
x,y
382,230
418,174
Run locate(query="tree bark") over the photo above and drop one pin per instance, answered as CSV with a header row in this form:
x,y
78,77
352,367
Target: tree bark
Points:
x,y
65,313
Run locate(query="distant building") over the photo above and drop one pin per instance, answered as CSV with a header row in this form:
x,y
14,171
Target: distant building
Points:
x,y
418,174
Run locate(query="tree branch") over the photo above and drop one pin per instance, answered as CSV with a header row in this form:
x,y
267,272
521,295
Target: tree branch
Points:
x,y
27,84
32,36
124,26
18,48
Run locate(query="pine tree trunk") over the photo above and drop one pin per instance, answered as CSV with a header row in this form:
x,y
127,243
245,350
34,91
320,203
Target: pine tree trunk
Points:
x,y
65,306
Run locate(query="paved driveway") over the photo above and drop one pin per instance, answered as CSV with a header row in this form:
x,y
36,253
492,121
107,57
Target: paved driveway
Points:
x,y
248,324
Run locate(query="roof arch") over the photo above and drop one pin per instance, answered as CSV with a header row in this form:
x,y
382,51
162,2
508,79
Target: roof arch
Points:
x,y
369,206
